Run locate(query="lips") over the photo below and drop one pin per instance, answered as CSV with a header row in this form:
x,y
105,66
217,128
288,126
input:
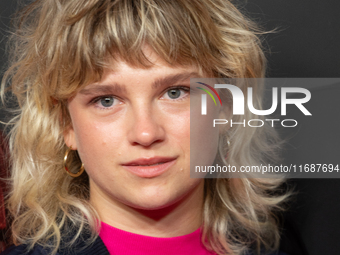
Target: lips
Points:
x,y
149,167
149,161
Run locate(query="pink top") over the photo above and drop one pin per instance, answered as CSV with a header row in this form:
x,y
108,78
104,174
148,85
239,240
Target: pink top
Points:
x,y
121,242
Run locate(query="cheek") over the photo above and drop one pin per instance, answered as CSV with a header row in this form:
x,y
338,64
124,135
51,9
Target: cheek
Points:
x,y
179,128
204,139
97,144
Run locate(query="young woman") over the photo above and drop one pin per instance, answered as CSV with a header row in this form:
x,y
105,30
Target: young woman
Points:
x,y
101,144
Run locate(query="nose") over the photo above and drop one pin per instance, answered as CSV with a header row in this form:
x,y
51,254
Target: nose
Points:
x,y
147,127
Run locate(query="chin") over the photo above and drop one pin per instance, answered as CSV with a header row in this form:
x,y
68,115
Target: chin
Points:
x,y
154,200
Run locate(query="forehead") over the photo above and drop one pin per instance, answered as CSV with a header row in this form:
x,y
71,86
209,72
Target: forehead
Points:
x,y
129,78
120,74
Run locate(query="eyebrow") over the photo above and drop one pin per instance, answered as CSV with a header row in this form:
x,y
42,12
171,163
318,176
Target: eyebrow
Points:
x,y
103,89
115,87
171,79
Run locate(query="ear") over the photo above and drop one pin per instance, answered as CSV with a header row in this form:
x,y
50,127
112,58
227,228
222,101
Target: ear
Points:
x,y
69,137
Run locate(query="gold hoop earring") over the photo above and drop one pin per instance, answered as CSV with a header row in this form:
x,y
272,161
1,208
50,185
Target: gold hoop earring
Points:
x,y
221,148
66,168
228,142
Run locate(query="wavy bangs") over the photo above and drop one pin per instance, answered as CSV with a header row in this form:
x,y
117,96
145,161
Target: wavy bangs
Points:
x,y
67,44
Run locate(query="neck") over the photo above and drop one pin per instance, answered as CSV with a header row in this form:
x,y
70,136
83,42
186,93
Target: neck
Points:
x,y
179,218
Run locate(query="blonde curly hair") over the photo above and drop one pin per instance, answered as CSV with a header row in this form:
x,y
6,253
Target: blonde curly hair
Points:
x,y
60,46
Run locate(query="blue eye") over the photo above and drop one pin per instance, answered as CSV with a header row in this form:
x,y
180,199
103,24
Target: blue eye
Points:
x,y
107,101
176,93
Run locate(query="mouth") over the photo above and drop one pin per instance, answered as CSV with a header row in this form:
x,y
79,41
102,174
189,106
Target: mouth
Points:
x,y
149,167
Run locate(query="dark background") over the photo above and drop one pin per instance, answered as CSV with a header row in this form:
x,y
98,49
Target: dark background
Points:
x,y
306,44
7,10
307,41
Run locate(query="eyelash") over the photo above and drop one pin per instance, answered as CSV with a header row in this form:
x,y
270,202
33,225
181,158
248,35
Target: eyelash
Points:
x,y
184,88
97,99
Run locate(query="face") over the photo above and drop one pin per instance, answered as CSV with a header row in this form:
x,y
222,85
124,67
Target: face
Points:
x,y
132,133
